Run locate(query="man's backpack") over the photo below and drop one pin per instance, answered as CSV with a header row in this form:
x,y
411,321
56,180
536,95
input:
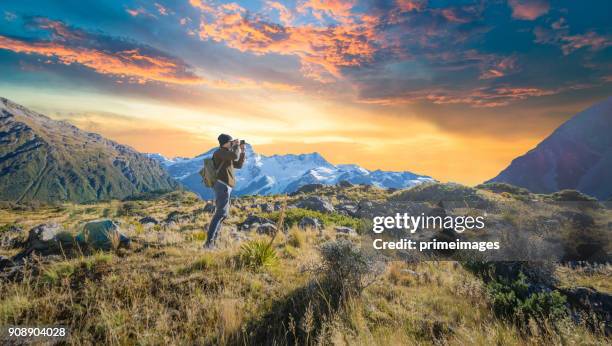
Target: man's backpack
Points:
x,y
209,172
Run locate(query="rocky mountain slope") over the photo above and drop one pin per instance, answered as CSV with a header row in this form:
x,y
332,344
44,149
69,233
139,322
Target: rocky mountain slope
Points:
x,y
577,155
266,175
47,160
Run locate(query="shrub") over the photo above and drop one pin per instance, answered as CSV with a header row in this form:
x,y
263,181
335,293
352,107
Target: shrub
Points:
x,y
515,191
257,254
571,196
293,217
515,300
346,268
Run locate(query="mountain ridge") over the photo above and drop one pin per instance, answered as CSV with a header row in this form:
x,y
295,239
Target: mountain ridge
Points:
x,y
285,173
54,161
576,155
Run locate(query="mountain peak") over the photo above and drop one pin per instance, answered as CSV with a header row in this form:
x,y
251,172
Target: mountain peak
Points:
x,y
577,155
280,173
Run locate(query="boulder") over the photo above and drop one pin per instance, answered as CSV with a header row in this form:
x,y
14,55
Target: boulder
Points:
x,y
148,220
347,209
266,228
316,203
266,208
5,262
310,223
47,239
238,236
253,220
277,205
345,230
308,188
345,183
591,302
11,237
177,217
102,235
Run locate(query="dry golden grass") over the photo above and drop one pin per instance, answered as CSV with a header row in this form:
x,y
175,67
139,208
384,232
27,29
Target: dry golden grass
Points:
x,y
167,290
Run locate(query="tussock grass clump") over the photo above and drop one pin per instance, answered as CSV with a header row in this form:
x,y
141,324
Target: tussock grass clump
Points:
x,y
81,267
257,254
203,263
296,238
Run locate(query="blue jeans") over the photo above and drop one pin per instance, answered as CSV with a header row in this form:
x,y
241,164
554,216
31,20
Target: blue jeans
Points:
x,y
222,205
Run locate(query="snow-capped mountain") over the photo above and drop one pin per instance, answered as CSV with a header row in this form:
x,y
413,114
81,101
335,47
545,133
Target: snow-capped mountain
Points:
x,y
265,175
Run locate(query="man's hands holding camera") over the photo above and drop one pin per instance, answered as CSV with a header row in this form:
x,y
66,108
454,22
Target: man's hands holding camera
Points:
x,y
238,142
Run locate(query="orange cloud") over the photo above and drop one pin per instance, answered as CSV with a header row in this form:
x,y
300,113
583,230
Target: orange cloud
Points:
x,y
486,97
322,50
127,63
137,64
528,9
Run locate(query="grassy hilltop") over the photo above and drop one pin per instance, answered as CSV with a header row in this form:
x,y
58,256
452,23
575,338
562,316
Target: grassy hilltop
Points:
x,y
309,287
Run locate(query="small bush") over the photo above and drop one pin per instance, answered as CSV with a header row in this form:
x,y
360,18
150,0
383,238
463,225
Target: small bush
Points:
x,y
257,254
346,268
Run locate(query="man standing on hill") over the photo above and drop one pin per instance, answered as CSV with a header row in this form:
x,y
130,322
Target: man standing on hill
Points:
x,y
230,155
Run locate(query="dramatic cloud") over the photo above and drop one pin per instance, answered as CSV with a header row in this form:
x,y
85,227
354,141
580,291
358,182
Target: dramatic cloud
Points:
x,y
528,9
125,60
322,50
350,78
103,54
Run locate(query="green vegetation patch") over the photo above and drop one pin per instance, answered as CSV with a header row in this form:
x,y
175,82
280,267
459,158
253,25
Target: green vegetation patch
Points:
x,y
293,217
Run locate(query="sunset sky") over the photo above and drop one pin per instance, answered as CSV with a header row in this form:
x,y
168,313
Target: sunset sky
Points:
x,y
450,89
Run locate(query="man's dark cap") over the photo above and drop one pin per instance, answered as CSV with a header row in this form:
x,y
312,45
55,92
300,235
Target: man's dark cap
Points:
x,y
223,138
